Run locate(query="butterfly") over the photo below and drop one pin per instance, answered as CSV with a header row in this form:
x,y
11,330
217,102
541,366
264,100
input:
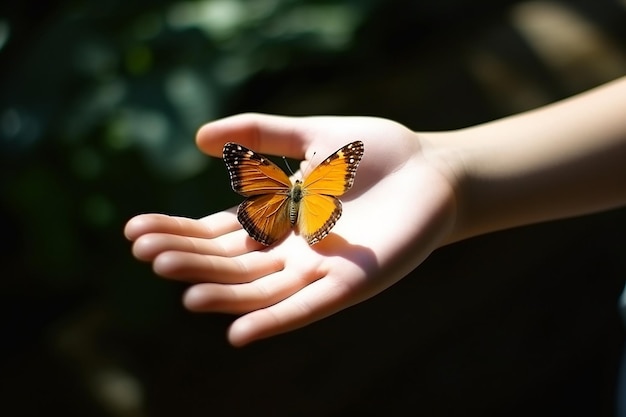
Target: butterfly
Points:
x,y
274,204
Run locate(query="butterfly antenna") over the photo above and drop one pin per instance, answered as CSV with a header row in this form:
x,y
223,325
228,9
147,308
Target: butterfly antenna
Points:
x,y
288,166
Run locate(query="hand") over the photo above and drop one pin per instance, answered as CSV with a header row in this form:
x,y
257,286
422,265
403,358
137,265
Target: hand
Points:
x,y
399,210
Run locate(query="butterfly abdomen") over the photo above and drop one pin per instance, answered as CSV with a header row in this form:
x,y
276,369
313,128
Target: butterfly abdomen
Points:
x,y
295,196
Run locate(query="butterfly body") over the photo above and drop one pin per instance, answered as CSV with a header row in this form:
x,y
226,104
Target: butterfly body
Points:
x,y
295,196
274,204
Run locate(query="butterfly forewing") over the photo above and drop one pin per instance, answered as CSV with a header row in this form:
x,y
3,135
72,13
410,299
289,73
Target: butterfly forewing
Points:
x,y
253,174
335,175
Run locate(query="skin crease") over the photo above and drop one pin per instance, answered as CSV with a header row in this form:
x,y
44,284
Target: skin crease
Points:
x,y
562,160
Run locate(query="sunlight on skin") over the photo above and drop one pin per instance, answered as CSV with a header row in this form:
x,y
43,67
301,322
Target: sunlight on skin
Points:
x,y
414,192
291,284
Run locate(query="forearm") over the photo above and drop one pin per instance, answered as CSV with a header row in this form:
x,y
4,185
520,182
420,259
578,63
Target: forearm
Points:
x,y
562,160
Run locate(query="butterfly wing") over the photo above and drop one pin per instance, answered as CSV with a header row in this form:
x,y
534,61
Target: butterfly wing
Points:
x,y
265,217
320,208
253,174
335,175
318,214
264,214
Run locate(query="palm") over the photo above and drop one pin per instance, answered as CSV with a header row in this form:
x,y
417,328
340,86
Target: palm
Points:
x,y
397,212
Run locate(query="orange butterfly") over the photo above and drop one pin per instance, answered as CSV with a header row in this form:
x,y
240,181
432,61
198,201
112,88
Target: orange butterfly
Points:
x,y
274,205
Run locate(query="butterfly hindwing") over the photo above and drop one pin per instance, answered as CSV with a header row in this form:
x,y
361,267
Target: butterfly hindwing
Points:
x,y
318,214
265,217
253,174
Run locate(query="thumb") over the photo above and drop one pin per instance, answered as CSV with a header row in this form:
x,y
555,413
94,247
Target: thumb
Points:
x,y
267,134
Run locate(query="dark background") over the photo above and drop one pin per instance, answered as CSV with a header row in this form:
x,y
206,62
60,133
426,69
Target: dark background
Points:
x,y
99,104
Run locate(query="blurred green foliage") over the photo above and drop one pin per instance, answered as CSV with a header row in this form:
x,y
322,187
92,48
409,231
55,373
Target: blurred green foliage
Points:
x,y
100,104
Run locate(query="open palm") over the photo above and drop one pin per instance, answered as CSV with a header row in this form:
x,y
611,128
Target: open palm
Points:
x,y
399,210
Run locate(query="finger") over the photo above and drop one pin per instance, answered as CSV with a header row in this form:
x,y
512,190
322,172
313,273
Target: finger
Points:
x,y
318,300
243,298
274,135
193,267
149,246
208,227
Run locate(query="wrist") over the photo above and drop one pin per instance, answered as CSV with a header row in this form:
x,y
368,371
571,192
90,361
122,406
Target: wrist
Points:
x,y
445,152
562,160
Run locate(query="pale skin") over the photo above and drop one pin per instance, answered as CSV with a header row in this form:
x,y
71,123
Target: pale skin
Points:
x,y
414,192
